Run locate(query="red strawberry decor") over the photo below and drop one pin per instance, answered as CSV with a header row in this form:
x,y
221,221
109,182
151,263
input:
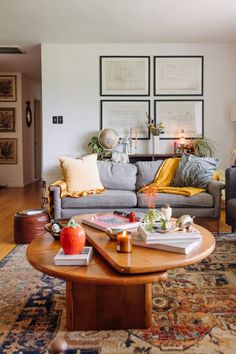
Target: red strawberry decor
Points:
x,y
72,238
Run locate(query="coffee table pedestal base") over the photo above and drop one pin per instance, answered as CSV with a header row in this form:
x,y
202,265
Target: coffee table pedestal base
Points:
x,y
104,307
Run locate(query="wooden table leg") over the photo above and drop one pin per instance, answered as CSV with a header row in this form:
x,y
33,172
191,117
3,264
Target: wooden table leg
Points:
x,y
103,307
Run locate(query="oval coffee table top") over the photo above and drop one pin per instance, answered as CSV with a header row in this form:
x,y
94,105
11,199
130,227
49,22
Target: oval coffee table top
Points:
x,y
40,254
146,260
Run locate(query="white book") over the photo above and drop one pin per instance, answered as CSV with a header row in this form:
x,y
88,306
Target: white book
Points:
x,y
82,258
183,247
152,237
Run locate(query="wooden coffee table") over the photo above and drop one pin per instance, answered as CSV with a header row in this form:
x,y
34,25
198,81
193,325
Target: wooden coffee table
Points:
x,y
115,290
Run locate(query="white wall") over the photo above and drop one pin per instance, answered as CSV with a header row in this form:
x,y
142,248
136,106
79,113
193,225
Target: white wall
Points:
x,y
70,87
30,91
21,173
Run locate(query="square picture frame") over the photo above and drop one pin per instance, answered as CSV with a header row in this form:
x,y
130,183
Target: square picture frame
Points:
x,y
7,119
122,115
8,88
8,151
124,75
178,75
177,115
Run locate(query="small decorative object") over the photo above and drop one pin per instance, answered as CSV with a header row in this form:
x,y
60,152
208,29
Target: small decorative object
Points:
x,y
132,217
28,114
156,129
126,144
184,222
108,139
167,212
7,88
96,148
152,215
7,120
124,242
8,151
72,238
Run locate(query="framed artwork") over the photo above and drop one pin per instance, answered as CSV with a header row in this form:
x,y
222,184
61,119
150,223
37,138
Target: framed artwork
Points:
x,y
7,120
8,151
178,75
123,115
7,88
124,75
180,114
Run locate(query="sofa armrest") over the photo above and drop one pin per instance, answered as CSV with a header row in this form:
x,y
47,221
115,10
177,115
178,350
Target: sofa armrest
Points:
x,y
214,188
230,182
55,201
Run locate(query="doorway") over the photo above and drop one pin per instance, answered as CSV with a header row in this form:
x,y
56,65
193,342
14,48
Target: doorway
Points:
x,y
37,140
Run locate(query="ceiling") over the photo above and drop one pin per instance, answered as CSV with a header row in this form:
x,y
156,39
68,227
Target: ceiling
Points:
x,y
28,23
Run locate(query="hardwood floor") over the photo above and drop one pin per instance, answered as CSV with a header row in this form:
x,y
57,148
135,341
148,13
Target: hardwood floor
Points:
x,y
11,201
16,199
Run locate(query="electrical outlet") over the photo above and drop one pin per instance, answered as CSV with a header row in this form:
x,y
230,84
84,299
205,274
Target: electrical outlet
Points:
x,y
54,119
60,119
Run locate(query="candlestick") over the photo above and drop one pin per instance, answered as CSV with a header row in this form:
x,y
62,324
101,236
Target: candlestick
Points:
x,y
124,242
130,133
136,139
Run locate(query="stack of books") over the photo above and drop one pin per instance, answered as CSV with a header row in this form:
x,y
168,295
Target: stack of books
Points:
x,y
173,240
83,258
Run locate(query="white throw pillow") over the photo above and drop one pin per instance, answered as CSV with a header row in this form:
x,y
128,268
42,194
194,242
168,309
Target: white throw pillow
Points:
x,y
81,175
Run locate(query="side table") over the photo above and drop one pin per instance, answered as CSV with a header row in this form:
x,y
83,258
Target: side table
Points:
x,y
29,227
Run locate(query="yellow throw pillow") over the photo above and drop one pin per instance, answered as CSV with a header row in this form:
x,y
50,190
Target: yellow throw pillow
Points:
x,y
81,175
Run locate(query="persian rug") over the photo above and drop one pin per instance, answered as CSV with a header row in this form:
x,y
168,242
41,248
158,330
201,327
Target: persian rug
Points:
x,y
194,311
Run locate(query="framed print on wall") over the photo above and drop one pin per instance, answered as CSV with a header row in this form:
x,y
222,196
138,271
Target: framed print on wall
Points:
x,y
7,88
8,151
7,120
178,75
123,115
124,75
180,114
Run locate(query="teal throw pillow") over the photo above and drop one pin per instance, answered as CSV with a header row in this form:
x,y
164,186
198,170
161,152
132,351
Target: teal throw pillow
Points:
x,y
196,171
177,181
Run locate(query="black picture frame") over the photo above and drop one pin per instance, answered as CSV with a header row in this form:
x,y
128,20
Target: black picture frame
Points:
x,y
146,120
130,92
174,72
182,125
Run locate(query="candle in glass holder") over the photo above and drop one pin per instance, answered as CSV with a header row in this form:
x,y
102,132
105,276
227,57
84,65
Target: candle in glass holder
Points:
x,y
124,242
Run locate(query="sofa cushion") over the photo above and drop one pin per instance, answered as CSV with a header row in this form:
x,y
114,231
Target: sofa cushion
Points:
x,y
231,207
107,199
147,171
115,175
195,171
201,200
81,175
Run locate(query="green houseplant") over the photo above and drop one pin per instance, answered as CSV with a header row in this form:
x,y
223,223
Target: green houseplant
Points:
x,y
96,148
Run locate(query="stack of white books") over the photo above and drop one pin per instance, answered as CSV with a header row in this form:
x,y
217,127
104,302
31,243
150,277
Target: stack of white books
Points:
x,y
173,240
82,258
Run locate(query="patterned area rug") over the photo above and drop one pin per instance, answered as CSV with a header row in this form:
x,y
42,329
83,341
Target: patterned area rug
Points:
x,y
194,311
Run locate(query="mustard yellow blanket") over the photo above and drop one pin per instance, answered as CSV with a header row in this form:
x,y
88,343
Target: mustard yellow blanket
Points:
x,y
64,192
164,177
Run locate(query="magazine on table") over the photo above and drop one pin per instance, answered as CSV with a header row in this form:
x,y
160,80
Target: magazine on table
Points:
x,y
82,258
109,221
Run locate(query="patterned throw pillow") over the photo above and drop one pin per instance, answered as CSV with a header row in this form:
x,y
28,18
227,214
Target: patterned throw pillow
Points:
x,y
195,171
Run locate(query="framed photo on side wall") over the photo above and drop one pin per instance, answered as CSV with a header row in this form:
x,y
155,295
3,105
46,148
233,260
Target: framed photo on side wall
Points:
x,y
124,76
7,88
178,75
7,120
180,114
123,115
8,151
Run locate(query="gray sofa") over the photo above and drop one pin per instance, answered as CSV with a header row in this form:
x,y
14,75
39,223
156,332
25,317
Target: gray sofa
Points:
x,y
230,197
122,182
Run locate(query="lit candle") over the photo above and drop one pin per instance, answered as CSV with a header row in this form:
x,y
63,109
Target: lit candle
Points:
x,y
136,139
124,242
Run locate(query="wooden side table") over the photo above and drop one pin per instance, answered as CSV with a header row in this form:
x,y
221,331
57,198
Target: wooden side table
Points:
x,y
29,227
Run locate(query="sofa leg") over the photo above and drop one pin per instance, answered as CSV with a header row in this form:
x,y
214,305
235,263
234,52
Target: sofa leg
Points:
x,y
233,229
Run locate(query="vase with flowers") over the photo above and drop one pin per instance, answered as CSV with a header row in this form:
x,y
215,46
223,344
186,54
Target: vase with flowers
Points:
x,y
152,215
156,129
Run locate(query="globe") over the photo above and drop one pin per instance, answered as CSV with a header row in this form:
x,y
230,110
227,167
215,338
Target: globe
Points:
x,y
108,138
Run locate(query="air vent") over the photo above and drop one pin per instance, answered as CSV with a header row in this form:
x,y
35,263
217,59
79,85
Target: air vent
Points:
x,y
11,50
